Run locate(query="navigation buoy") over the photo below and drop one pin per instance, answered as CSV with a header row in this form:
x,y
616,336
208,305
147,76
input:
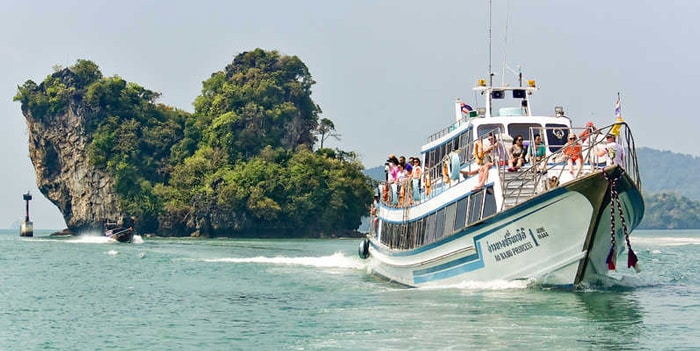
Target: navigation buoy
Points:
x,y
27,227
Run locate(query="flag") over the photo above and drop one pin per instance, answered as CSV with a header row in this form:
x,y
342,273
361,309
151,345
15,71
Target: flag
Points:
x,y
615,130
466,108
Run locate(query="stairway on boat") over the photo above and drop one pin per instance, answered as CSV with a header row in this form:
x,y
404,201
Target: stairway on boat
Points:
x,y
517,187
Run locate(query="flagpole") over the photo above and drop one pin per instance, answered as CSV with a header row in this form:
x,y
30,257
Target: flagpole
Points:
x,y
615,130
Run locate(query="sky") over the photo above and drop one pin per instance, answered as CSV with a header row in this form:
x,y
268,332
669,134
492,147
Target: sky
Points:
x,y
387,72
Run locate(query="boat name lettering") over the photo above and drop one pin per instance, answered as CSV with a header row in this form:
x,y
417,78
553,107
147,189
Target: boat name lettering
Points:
x,y
513,252
508,240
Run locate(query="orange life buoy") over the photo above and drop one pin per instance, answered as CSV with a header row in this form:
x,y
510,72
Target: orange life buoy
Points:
x,y
479,153
445,173
427,184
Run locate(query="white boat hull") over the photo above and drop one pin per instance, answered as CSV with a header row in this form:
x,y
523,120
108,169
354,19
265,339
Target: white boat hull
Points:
x,y
559,238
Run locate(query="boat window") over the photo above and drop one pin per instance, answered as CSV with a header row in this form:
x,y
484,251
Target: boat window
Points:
x,y
430,228
489,204
450,219
522,129
420,233
486,128
411,239
475,206
461,215
439,223
556,136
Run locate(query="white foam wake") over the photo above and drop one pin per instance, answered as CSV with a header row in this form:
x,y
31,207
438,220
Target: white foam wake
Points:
x,y
665,241
336,260
486,285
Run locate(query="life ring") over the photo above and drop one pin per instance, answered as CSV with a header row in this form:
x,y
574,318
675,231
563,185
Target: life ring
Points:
x,y
479,153
363,249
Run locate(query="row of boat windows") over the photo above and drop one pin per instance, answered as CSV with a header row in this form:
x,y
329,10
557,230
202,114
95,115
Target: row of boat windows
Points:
x,y
439,224
556,135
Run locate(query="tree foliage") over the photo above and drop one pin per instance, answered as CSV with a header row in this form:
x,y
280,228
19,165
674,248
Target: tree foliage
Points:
x,y
670,211
241,165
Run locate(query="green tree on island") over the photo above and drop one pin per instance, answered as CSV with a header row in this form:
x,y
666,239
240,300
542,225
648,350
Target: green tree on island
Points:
x,y
242,164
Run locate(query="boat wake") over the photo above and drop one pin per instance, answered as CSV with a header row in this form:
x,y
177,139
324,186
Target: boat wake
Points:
x,y
99,239
484,285
336,260
666,241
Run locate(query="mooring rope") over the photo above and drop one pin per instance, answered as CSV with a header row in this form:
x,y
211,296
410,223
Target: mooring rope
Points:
x,y
632,260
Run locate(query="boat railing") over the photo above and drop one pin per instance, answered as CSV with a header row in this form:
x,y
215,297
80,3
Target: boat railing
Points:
x,y
435,179
540,176
551,171
441,133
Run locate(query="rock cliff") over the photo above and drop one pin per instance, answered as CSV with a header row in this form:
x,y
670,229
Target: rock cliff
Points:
x,y
58,150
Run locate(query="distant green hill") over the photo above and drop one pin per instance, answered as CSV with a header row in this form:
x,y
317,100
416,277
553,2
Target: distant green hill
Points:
x,y
656,167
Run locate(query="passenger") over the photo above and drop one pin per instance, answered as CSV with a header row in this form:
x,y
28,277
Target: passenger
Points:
x,y
417,176
406,166
538,154
373,213
612,151
572,151
490,145
516,154
455,165
401,181
392,180
590,130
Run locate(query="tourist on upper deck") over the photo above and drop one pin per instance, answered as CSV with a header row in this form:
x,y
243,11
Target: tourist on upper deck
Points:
x,y
588,131
572,151
538,152
489,144
417,176
612,151
406,166
516,154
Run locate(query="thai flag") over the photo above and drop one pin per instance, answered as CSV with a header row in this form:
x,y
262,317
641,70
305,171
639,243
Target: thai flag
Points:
x,y
466,108
618,113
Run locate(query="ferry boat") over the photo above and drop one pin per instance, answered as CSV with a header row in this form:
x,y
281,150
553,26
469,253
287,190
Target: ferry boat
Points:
x,y
557,220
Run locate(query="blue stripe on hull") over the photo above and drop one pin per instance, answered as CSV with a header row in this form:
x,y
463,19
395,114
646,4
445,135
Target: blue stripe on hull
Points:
x,y
477,262
470,262
498,217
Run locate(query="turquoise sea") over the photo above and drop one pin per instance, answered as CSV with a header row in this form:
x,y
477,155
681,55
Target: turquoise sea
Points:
x,y
84,293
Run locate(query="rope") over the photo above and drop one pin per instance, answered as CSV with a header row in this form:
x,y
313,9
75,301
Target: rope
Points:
x,y
632,260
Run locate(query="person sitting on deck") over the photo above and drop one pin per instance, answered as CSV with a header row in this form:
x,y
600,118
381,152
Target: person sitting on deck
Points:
x,y
572,151
482,153
516,154
538,154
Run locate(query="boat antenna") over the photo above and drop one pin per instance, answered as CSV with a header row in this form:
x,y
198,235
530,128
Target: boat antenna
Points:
x,y
490,71
505,45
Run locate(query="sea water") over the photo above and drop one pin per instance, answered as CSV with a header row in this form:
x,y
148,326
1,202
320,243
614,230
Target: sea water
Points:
x,y
89,293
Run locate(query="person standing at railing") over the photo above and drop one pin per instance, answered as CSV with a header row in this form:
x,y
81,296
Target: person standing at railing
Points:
x,y
612,151
416,177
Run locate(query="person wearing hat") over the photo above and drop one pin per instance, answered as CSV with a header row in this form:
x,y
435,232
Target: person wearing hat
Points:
x,y
612,151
